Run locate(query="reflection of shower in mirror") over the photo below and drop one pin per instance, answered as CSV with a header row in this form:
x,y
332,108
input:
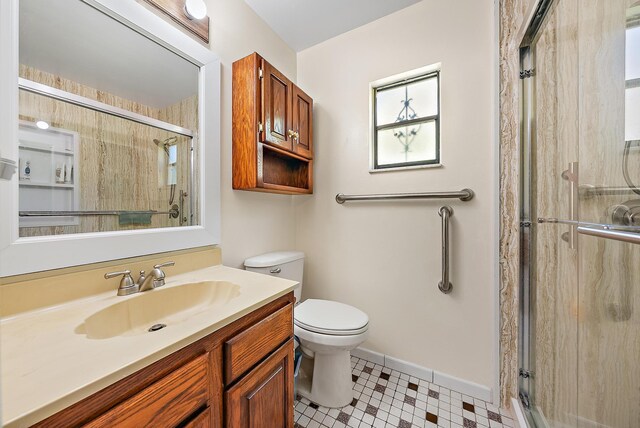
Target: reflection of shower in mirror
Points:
x,y
164,144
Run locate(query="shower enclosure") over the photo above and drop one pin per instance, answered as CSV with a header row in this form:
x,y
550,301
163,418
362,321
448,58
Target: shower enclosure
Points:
x,y
580,214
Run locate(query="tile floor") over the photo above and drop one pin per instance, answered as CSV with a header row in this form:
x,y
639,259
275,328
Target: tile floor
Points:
x,y
387,398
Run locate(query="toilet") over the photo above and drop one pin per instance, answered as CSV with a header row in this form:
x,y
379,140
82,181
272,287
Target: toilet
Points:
x,y
327,331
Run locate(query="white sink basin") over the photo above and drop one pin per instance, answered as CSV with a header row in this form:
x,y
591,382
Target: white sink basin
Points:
x,y
167,306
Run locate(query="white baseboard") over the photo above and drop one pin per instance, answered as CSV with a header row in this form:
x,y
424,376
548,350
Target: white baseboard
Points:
x,y
460,385
408,368
369,355
463,386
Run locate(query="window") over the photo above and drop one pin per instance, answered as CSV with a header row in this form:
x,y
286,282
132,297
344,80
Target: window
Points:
x,y
406,121
632,77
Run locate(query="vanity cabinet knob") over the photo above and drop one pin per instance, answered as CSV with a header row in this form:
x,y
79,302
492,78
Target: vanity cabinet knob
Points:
x,y
275,270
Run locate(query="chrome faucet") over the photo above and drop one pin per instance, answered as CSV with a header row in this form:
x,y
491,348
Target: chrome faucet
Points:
x,y
155,279
127,286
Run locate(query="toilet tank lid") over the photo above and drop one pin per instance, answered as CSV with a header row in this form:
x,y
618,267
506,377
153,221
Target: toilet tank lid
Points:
x,y
272,259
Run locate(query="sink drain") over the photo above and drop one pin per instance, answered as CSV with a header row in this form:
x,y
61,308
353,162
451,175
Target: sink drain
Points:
x,y
157,327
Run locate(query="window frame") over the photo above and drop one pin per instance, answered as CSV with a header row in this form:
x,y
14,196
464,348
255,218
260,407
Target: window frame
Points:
x,y
403,79
635,82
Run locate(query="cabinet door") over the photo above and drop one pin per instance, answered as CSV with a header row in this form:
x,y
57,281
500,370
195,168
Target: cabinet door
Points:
x,y
264,397
276,107
302,123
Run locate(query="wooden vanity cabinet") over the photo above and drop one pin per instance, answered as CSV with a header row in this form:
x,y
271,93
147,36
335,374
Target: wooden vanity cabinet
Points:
x,y
238,376
272,130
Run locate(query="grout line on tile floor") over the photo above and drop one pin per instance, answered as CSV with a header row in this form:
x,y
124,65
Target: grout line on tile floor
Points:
x,y
386,398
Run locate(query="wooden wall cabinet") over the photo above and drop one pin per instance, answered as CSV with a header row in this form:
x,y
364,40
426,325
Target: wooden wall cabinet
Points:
x,y
272,130
241,376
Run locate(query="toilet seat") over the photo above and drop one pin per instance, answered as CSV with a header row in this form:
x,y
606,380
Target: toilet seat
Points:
x,y
330,318
333,341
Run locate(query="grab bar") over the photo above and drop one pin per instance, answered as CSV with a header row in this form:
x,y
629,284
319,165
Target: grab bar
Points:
x,y
589,190
173,212
463,195
445,286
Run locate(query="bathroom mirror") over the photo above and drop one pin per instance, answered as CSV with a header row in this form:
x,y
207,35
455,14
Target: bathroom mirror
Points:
x,y
110,133
120,172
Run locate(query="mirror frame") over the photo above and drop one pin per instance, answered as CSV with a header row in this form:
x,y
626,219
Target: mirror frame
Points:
x,y
35,254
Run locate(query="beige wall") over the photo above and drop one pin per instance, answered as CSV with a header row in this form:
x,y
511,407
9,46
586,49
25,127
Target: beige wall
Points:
x,y
384,257
252,223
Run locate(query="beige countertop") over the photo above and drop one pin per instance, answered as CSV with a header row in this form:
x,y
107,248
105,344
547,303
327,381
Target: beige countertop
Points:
x,y
48,363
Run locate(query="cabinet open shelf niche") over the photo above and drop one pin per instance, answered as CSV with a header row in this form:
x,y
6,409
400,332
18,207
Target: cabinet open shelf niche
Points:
x,y
272,130
284,172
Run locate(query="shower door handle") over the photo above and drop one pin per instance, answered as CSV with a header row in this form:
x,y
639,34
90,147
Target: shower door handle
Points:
x,y
616,235
571,175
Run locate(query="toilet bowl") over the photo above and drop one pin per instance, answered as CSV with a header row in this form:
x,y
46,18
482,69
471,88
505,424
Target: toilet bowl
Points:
x,y
327,331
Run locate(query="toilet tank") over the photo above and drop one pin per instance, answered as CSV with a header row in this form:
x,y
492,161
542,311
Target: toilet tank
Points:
x,y
283,264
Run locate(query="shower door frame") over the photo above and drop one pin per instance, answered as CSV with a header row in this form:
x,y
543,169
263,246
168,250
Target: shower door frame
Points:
x,y
527,288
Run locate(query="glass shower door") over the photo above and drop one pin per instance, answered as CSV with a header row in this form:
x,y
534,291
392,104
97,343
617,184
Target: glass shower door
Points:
x,y
553,184
609,287
582,127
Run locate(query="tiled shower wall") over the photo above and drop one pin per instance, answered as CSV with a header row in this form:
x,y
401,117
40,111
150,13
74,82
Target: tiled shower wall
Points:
x,y
512,15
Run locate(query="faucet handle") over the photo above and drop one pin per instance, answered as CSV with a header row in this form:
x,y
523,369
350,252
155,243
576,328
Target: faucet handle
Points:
x,y
127,286
110,275
164,265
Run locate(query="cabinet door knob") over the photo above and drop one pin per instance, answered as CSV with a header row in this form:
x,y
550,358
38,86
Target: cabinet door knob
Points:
x,y
291,134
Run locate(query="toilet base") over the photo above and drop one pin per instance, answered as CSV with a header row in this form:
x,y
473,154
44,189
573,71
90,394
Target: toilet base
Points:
x,y
326,379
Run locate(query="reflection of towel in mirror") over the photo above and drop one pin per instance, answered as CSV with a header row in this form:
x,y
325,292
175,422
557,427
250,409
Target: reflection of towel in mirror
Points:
x,y
130,219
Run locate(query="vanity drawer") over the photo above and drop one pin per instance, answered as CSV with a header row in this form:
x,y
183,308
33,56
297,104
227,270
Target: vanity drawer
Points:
x,y
247,348
166,403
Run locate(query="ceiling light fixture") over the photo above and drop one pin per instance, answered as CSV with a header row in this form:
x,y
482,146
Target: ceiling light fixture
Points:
x,y
195,9
42,124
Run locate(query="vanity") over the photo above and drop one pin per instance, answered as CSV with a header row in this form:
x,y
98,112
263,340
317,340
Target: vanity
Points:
x,y
223,359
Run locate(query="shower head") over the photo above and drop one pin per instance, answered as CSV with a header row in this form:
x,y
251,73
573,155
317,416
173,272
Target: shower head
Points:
x,y
161,144
165,143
